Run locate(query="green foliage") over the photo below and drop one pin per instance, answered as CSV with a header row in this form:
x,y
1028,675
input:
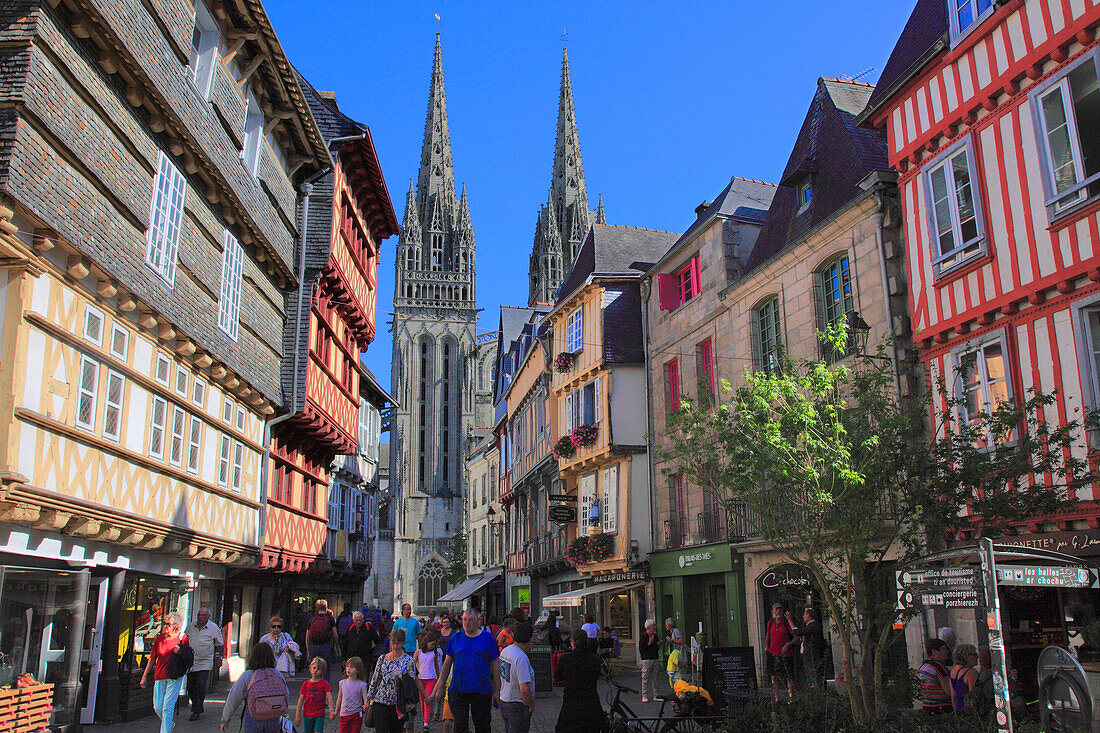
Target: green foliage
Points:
x,y
828,465
456,557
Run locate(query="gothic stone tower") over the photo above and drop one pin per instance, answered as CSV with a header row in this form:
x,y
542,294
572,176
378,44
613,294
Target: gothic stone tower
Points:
x,y
565,218
434,348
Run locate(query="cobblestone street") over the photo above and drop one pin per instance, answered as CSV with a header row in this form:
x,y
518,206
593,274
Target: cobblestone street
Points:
x,y
546,711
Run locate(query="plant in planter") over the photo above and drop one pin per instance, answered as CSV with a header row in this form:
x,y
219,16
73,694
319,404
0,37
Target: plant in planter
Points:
x,y
564,361
584,435
577,551
564,449
600,546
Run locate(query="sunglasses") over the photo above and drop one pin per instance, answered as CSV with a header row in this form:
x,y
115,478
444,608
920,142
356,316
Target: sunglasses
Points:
x,y
276,626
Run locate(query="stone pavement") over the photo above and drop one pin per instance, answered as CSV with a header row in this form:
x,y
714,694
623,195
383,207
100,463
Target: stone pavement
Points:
x,y
546,711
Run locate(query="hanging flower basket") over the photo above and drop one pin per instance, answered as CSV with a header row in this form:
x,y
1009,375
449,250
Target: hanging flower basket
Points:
x,y
576,552
564,361
600,546
584,435
564,448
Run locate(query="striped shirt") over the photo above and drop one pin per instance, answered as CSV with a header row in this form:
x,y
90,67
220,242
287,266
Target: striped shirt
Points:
x,y
933,697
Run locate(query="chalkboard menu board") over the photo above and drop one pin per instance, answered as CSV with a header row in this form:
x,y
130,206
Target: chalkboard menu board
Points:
x,y
540,662
729,673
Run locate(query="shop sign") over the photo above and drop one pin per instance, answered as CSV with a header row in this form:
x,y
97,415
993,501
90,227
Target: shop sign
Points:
x,y
1077,542
787,576
568,499
689,560
625,576
693,561
1051,577
563,514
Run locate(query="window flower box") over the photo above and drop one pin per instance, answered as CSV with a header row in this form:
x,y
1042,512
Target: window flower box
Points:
x,y
585,550
565,361
585,435
565,449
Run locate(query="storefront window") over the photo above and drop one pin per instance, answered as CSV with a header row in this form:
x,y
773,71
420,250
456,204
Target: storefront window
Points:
x,y
42,617
792,586
145,602
618,615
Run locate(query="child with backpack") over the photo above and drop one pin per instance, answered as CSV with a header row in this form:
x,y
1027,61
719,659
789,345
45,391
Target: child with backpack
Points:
x,y
314,698
351,700
262,692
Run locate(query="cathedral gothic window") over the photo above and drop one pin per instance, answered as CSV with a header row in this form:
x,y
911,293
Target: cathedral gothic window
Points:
x,y
431,583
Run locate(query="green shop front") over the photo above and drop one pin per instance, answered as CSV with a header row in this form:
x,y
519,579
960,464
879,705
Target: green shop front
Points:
x,y
701,587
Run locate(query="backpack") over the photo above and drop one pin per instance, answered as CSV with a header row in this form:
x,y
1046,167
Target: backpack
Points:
x,y
320,629
181,661
267,697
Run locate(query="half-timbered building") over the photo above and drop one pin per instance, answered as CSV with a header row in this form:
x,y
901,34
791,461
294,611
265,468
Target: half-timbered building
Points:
x,y
992,115
148,173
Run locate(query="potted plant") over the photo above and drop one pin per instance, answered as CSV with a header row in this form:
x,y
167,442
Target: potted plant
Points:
x,y
577,551
600,546
564,361
584,435
564,449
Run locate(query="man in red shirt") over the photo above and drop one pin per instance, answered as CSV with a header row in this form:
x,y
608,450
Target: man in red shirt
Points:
x,y
781,644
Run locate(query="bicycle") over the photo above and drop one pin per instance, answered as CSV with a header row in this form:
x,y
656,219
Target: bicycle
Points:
x,y
624,720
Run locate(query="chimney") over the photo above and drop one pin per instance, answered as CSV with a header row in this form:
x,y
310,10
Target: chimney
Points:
x,y
329,97
701,208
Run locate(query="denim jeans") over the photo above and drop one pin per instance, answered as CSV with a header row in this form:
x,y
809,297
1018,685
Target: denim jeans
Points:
x,y
165,694
517,718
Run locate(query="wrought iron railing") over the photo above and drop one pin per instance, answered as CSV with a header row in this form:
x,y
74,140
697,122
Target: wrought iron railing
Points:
x,y
675,532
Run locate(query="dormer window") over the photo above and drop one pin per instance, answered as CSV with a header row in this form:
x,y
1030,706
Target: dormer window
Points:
x,y
805,195
253,134
966,15
204,49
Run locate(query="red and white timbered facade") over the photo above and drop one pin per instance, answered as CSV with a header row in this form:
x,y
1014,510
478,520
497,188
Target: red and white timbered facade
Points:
x,y
994,128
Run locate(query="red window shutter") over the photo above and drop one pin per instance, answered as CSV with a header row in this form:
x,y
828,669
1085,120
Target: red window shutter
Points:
x,y
696,281
666,292
673,386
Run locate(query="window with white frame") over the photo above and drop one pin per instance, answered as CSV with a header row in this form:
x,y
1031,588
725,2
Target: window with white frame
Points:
x,y
805,195
165,219
610,508
954,207
253,134
179,426
112,410
582,406
225,449
590,508
93,325
1066,110
162,369
966,15
194,445
120,342
198,396
181,381
204,49
1089,341
229,303
238,466
227,411
156,427
87,387
983,385
574,331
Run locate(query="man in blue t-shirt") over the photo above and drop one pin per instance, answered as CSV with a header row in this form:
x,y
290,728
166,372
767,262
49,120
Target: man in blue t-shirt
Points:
x,y
475,677
410,625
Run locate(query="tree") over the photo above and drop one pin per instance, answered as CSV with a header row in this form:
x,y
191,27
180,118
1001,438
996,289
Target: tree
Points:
x,y
456,556
829,466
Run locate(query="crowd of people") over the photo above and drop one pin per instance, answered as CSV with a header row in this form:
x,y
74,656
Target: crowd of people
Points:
x,y
958,677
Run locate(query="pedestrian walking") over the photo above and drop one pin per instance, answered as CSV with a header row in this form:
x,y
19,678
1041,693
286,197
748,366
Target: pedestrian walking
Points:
x,y
475,679
964,675
344,621
410,625
446,630
581,711
517,681
812,641
428,659
504,638
262,692
780,649
649,650
166,683
351,700
319,636
384,694
205,638
359,641
302,617
314,698
590,626
283,647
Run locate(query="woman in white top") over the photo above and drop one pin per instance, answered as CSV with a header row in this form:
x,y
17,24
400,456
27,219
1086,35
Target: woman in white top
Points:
x,y
285,649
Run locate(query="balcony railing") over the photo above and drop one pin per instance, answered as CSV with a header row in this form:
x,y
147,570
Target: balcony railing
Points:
x,y
712,527
675,532
742,523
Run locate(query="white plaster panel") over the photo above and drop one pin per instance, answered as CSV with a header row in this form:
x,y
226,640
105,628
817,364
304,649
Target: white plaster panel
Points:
x,y
1034,9
981,63
934,91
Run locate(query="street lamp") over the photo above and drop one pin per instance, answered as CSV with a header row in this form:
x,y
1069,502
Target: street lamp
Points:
x,y
859,331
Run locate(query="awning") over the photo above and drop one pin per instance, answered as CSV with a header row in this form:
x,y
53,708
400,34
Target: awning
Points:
x,y
468,587
576,597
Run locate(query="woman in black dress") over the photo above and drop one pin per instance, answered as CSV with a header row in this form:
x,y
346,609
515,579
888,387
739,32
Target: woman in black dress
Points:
x,y
581,711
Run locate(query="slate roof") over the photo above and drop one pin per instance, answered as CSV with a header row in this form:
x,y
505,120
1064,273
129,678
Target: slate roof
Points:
x,y
925,33
742,198
616,249
835,153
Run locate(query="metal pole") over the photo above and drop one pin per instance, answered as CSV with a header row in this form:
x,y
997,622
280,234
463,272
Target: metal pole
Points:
x,y
1001,698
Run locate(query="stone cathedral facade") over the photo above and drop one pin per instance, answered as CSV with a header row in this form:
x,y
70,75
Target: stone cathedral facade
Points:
x,y
565,218
434,353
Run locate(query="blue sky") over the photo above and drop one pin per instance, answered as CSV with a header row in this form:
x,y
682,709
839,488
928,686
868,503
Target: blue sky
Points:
x,y
671,100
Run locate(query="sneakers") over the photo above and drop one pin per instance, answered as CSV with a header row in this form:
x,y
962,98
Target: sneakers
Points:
x,y
645,699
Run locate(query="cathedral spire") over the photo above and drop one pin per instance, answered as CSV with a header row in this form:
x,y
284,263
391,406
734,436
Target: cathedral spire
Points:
x,y
410,227
568,181
601,215
436,180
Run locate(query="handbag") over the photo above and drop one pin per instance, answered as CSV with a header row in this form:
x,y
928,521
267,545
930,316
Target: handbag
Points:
x,y
181,661
368,714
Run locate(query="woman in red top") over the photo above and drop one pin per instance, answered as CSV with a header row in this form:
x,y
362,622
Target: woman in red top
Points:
x,y
166,690
781,650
